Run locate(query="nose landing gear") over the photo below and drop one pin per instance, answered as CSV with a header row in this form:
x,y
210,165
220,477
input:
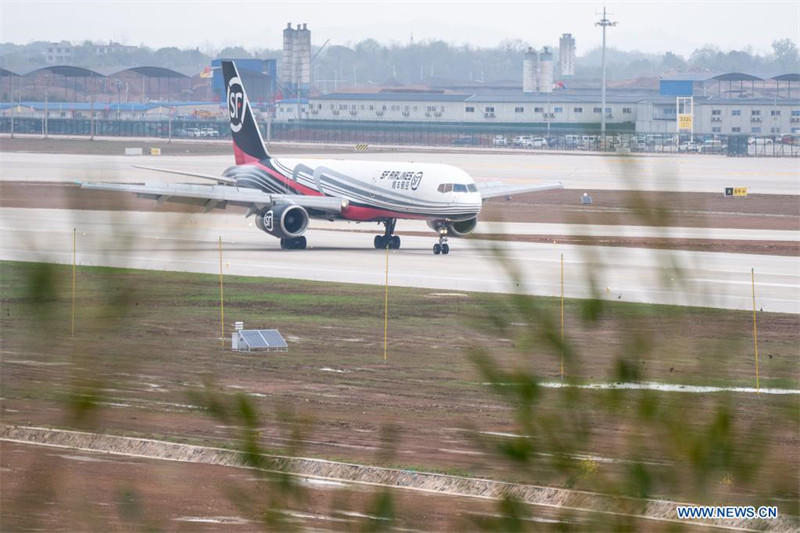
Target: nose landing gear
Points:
x,y
387,239
441,247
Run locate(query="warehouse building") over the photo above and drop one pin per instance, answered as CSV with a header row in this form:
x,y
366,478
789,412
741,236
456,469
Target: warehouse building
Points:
x,y
724,104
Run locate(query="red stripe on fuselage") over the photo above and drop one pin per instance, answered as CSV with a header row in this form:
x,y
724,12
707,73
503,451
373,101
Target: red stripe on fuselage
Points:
x,y
351,212
303,190
366,214
241,157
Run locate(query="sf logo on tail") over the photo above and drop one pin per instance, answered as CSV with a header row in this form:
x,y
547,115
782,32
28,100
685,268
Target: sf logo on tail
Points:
x,y
236,104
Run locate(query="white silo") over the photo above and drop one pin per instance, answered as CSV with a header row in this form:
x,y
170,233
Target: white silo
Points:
x,y
530,66
287,62
566,54
546,71
302,58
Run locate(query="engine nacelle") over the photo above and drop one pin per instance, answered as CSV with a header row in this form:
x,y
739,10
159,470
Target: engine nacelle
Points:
x,y
460,228
285,221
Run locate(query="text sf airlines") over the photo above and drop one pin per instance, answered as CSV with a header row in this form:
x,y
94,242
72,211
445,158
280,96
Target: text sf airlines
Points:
x,y
284,194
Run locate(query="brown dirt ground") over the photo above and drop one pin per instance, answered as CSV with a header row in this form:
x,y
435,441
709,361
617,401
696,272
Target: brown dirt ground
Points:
x,y
332,396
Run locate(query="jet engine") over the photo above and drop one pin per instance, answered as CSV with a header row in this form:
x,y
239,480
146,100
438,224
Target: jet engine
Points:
x,y
285,221
460,228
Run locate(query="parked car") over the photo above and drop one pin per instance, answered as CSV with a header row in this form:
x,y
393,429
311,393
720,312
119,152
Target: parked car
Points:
x,y
712,146
209,132
553,142
520,140
572,141
499,140
538,142
465,140
688,146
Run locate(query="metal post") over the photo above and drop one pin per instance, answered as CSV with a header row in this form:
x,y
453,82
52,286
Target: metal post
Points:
x,y
74,237
755,330
91,123
604,23
386,308
221,299
562,317
46,87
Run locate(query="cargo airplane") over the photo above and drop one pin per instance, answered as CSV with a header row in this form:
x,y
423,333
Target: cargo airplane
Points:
x,y
285,193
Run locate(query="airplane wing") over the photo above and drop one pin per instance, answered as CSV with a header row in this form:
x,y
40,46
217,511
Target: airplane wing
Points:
x,y
495,189
218,179
219,196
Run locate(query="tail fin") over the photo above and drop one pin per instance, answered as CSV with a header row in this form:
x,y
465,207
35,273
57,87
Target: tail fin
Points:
x,y
248,146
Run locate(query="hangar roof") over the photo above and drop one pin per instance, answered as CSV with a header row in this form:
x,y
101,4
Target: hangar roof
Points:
x,y
72,71
729,76
397,97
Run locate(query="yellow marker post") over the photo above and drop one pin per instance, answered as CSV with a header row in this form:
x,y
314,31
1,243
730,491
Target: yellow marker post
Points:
x,y
74,237
386,309
755,330
221,299
562,317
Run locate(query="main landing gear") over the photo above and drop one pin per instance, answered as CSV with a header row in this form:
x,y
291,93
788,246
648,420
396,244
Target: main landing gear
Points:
x,y
296,243
441,247
387,239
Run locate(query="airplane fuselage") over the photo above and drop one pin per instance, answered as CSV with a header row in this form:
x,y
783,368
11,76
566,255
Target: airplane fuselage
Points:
x,y
374,190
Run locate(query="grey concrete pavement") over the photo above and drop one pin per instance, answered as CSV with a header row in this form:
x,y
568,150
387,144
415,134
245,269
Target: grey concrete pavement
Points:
x,y
695,173
170,241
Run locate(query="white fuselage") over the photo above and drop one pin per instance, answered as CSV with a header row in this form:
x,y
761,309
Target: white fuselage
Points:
x,y
374,190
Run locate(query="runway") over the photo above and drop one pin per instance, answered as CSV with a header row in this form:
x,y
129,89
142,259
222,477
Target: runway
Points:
x,y
170,241
695,173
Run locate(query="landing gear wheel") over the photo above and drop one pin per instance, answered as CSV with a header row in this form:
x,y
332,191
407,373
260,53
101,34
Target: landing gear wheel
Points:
x,y
297,243
387,239
445,249
437,249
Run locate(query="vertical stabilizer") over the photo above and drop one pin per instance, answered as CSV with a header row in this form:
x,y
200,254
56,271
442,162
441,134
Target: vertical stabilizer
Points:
x,y
248,146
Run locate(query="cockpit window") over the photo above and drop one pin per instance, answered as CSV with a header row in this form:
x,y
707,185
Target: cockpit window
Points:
x,y
457,187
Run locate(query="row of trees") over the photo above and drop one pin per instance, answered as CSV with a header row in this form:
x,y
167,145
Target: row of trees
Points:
x,y
372,62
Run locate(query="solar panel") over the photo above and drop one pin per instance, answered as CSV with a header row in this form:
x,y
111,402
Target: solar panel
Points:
x,y
273,338
269,339
253,339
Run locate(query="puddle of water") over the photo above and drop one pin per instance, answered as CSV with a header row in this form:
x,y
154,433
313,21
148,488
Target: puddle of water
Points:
x,y
322,483
667,387
212,519
337,370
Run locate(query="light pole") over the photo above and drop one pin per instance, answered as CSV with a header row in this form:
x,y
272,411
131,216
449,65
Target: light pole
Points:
x,y
46,87
604,23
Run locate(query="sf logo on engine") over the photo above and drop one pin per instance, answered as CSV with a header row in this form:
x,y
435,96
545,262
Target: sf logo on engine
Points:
x,y
236,103
268,220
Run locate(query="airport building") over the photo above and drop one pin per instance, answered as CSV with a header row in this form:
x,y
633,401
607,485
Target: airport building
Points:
x,y
724,104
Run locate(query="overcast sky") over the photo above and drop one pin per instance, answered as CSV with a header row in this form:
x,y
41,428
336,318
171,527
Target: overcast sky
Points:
x,y
651,26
